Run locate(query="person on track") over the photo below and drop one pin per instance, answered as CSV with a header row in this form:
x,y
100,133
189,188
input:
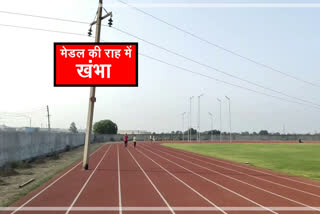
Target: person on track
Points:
x,y
134,141
153,139
150,138
126,140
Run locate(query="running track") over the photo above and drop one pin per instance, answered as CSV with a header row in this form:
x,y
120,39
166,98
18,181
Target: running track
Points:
x,y
157,179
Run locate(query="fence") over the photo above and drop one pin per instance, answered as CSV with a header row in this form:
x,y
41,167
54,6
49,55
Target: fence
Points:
x,y
16,146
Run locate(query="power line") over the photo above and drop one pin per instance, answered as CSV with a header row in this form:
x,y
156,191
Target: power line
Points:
x,y
213,68
181,68
221,47
222,81
40,29
43,17
167,50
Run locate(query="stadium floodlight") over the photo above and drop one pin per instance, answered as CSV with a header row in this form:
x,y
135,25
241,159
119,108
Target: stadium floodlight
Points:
x,y
229,117
211,117
183,125
220,119
198,134
190,119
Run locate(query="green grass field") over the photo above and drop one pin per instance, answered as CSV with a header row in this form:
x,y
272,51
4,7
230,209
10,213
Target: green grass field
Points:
x,y
295,159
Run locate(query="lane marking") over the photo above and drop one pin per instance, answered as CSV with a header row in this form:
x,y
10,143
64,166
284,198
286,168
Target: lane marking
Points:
x,y
52,183
253,176
238,194
249,168
119,182
158,209
264,190
85,184
195,191
154,186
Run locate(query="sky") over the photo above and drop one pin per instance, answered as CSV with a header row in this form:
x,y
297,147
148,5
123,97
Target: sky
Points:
x,y
285,38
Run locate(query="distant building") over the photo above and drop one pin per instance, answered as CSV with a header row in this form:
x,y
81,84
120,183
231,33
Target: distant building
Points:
x,y
28,129
133,132
7,128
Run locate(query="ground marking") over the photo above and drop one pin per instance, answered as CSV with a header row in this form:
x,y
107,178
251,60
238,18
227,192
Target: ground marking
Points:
x,y
85,184
249,168
253,176
154,186
289,199
119,182
52,184
199,194
25,209
238,194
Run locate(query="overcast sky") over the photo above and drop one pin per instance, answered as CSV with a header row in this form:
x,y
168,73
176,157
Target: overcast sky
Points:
x,y
286,38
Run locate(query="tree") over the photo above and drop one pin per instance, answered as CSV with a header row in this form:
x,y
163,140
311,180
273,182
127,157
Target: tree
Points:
x,y
105,127
193,131
214,132
73,128
263,132
245,133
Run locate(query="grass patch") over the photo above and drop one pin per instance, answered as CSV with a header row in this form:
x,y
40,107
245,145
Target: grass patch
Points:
x,y
295,159
42,170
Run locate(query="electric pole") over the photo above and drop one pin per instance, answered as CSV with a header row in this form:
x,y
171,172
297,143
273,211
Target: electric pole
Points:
x,y
92,98
48,115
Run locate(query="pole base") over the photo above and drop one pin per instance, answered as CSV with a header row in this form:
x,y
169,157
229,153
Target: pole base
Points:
x,y
86,167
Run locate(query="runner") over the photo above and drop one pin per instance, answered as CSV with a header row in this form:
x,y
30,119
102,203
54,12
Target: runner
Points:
x,y
134,141
153,139
126,140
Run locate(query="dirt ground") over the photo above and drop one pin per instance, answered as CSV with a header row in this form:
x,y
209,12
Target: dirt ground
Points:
x,y
41,170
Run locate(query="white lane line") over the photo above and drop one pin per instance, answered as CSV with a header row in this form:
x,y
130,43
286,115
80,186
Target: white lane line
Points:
x,y
85,184
256,170
253,176
154,186
195,191
238,194
143,209
119,182
51,184
264,190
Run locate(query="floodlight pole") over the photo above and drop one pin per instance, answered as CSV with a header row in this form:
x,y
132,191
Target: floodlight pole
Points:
x,y
183,125
198,134
92,98
211,117
220,120
190,120
229,116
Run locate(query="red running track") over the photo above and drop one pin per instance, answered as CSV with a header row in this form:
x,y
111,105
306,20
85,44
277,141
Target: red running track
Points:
x,y
156,179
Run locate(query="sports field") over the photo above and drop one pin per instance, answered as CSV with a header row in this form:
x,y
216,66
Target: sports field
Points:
x,y
295,159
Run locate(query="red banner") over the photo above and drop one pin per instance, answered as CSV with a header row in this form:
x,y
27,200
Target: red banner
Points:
x,y
92,64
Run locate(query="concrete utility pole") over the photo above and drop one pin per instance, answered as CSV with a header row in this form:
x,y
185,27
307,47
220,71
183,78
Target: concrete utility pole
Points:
x,y
92,98
48,115
220,120
198,134
183,125
229,117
